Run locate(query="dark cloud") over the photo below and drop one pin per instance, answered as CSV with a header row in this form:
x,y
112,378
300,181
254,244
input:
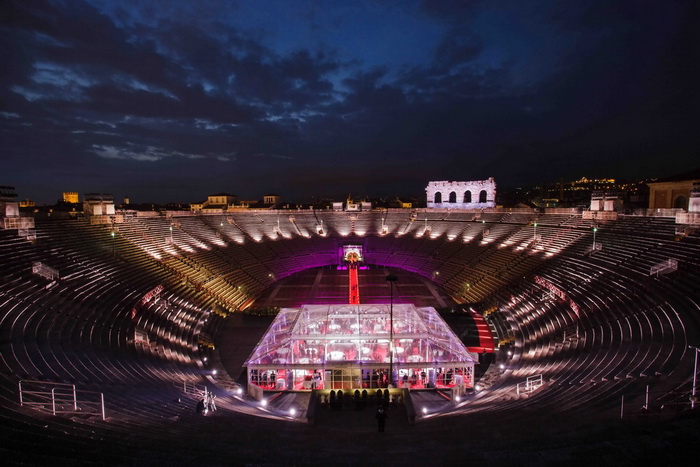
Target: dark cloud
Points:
x,y
174,101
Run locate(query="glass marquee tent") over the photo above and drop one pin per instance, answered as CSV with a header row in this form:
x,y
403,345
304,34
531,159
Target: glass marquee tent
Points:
x,y
348,347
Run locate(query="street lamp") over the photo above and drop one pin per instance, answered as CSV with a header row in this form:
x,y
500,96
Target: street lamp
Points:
x,y
534,236
595,229
695,377
113,240
391,278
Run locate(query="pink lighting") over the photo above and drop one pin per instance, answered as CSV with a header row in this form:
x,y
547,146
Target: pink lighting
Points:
x,y
301,344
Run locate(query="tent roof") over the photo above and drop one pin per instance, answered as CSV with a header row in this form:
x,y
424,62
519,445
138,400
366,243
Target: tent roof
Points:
x,y
360,333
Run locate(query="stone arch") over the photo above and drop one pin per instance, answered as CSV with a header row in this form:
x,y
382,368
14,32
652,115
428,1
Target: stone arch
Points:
x,y
461,195
680,202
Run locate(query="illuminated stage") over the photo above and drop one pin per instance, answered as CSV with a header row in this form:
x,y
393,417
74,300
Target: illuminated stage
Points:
x,y
348,347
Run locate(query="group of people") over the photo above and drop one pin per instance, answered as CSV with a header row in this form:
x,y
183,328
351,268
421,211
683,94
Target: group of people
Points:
x,y
207,403
264,379
413,379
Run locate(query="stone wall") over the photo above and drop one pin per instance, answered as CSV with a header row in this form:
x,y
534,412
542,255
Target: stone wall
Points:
x,y
478,194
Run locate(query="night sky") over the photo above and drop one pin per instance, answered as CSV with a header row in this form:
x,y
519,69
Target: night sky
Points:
x,y
174,100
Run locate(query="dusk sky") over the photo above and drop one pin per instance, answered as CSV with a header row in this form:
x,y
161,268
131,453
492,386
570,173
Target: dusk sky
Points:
x,y
174,100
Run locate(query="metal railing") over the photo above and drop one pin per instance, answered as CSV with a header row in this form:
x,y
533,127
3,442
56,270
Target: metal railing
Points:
x,y
664,267
597,246
190,388
60,398
530,384
659,404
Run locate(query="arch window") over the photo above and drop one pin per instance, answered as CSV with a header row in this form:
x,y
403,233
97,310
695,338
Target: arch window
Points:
x,y
482,196
468,196
438,197
453,197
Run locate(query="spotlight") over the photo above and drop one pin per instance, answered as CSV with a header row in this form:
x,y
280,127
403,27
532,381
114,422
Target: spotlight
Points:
x,y
292,411
457,398
502,366
263,402
510,353
425,410
477,387
213,372
205,359
239,391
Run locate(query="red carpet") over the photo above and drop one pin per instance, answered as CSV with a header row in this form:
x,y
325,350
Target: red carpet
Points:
x,y
354,284
486,342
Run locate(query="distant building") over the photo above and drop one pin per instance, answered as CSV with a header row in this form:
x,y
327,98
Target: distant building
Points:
x,y
27,203
215,203
576,193
8,202
98,204
70,197
694,205
462,195
673,192
603,201
351,205
9,211
220,199
402,204
272,199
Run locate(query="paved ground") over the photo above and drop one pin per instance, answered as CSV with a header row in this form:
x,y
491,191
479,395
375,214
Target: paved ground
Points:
x,y
350,437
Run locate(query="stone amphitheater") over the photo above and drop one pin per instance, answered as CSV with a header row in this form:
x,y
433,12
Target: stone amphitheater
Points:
x,y
112,355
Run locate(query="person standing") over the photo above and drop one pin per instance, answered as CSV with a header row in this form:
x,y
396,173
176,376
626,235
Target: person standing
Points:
x,y
381,418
